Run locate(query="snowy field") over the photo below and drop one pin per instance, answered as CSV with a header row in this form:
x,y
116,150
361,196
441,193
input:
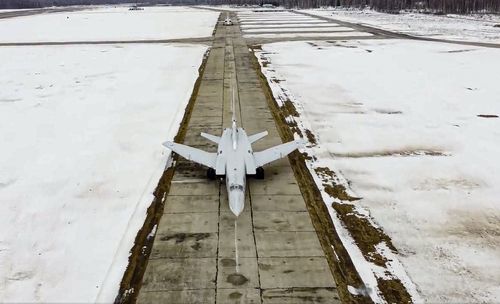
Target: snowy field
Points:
x,y
110,24
278,17
300,29
282,25
233,8
289,25
277,21
406,124
297,35
16,10
453,27
81,135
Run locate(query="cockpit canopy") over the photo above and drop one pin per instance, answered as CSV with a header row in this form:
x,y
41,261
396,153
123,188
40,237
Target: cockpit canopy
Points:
x,y
235,187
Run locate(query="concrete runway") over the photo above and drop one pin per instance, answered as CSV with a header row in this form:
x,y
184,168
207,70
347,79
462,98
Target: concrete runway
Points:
x,y
193,259
282,256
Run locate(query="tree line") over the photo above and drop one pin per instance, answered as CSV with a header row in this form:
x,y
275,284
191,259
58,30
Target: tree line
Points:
x,y
432,6
392,6
14,4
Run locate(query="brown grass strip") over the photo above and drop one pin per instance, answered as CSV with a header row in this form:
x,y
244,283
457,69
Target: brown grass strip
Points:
x,y
340,263
139,254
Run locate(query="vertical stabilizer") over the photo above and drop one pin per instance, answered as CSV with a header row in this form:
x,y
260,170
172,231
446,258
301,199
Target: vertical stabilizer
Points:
x,y
233,108
234,133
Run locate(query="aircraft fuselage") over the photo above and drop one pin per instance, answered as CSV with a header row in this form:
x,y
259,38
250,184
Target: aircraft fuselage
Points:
x,y
234,160
233,150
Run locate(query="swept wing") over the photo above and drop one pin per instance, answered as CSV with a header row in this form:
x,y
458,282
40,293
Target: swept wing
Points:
x,y
256,137
213,138
276,152
193,154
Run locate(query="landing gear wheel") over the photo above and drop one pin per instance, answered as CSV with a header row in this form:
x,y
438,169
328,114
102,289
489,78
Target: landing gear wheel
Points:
x,y
211,173
259,173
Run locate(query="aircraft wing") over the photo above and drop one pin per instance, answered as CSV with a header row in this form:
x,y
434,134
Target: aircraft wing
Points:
x,y
193,154
211,137
275,153
256,137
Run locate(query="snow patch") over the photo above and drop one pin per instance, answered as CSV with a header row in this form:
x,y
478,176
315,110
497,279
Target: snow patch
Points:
x,y
424,166
110,24
476,28
81,156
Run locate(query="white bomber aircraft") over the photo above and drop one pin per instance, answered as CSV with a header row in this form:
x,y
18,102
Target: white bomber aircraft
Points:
x,y
235,159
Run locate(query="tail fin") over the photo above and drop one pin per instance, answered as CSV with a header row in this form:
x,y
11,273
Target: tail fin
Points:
x,y
234,126
233,108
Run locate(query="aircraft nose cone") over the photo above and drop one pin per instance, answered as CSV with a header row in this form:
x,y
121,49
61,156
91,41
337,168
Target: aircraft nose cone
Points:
x,y
236,202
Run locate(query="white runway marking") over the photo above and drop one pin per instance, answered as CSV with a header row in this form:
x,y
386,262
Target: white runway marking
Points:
x,y
283,21
288,25
299,29
236,245
296,35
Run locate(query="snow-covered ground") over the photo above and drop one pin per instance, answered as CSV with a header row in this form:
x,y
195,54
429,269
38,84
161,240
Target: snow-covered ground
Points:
x,y
15,10
287,25
453,27
278,17
233,8
399,121
270,15
319,34
284,21
110,23
81,132
299,29
266,25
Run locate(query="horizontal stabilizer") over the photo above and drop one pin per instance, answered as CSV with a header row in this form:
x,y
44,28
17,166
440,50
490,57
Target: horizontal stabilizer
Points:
x,y
256,137
211,137
193,154
276,152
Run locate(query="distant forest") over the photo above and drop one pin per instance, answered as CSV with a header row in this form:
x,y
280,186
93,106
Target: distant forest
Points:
x,y
391,6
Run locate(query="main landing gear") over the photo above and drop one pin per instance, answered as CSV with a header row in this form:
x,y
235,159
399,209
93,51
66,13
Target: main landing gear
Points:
x,y
259,173
211,174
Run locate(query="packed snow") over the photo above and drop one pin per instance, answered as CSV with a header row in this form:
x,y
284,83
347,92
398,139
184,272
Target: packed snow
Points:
x,y
232,8
288,25
81,135
15,10
413,127
291,25
300,29
476,28
274,18
319,34
277,21
110,24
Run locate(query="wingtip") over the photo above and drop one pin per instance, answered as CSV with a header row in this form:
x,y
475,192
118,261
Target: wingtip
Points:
x,y
167,144
301,142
